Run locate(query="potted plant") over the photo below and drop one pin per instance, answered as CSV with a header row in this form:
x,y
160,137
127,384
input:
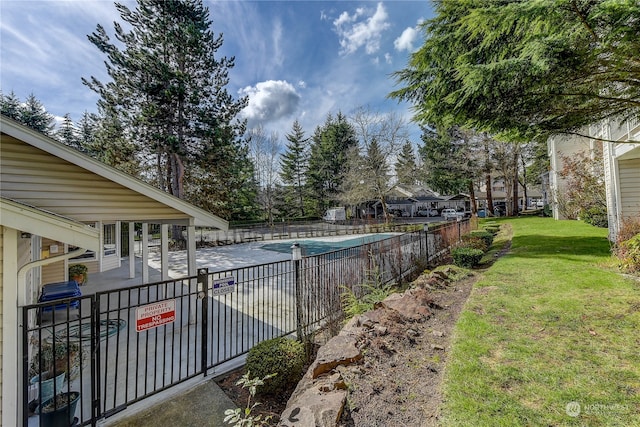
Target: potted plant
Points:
x,y
52,365
59,410
78,272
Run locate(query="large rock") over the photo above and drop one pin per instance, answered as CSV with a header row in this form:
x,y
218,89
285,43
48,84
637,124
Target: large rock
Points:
x,y
314,408
339,350
412,305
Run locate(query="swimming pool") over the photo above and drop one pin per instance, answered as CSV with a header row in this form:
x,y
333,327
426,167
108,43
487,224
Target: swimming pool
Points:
x,y
321,246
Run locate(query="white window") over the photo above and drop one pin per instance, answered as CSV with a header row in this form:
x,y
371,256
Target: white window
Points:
x,y
109,239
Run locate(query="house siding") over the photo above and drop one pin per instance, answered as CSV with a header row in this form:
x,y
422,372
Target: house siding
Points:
x,y
34,177
52,273
629,176
1,312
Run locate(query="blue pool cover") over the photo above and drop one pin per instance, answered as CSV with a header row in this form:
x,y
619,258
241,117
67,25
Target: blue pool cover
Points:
x,y
315,247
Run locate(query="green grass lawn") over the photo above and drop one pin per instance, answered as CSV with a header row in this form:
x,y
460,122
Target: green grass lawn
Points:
x,y
550,335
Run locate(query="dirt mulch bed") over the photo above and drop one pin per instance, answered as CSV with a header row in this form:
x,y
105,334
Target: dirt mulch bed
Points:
x,y
398,382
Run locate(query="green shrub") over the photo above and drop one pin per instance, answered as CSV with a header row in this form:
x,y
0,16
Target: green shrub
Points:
x,y
492,229
284,357
628,253
466,257
484,235
596,216
474,242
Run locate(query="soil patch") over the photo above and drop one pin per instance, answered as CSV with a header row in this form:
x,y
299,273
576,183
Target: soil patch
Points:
x,y
398,381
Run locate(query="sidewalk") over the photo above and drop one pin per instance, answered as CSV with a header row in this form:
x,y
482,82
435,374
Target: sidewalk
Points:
x,y
197,403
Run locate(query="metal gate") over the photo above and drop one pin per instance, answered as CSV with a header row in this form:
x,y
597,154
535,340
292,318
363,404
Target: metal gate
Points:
x,y
120,346
114,348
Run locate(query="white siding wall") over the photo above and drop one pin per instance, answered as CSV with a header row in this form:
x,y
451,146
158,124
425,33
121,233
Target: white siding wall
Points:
x,y
629,175
1,313
52,273
37,178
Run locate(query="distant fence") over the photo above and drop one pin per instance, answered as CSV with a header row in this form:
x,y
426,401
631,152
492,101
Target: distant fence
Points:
x,y
295,230
123,345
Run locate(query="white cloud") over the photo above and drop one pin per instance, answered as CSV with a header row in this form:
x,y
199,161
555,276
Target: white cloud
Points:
x,y
355,32
387,58
406,40
270,100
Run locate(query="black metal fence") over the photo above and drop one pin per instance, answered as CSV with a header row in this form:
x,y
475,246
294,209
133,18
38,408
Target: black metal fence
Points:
x,y
117,347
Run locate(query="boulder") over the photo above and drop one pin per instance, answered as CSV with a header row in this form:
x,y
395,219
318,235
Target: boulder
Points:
x,y
339,350
314,408
412,305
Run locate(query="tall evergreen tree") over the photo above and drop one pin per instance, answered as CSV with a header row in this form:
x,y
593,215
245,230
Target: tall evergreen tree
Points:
x,y
293,168
168,89
87,126
34,115
11,106
376,170
110,144
406,165
328,160
67,133
526,68
447,160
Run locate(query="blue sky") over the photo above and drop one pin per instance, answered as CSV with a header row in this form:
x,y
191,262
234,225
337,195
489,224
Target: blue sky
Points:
x,y
294,59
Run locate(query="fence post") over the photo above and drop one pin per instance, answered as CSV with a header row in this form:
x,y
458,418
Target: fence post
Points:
x,y
296,256
203,284
459,221
426,241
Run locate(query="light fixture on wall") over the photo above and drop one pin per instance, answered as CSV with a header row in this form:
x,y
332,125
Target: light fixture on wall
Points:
x,y
25,235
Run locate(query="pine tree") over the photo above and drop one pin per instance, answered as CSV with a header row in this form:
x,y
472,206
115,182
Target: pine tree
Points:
x,y
525,69
110,145
377,173
34,115
328,161
293,168
87,130
168,90
67,133
11,106
406,165
445,155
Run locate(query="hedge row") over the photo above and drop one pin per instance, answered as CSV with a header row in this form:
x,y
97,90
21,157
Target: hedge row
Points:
x,y
473,246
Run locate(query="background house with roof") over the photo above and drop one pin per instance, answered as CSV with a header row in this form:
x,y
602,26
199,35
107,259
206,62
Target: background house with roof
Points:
x,y
58,204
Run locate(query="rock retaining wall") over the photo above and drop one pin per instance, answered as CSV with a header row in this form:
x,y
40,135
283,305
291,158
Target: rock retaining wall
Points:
x,y
319,398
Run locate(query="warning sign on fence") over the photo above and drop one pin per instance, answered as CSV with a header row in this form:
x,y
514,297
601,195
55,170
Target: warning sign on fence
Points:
x,y
154,315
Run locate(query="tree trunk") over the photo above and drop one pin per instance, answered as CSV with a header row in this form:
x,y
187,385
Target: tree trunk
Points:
x,y
515,182
489,183
472,194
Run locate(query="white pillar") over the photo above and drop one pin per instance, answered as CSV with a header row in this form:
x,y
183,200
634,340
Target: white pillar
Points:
x,y
191,250
192,268
164,251
12,403
132,250
145,253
